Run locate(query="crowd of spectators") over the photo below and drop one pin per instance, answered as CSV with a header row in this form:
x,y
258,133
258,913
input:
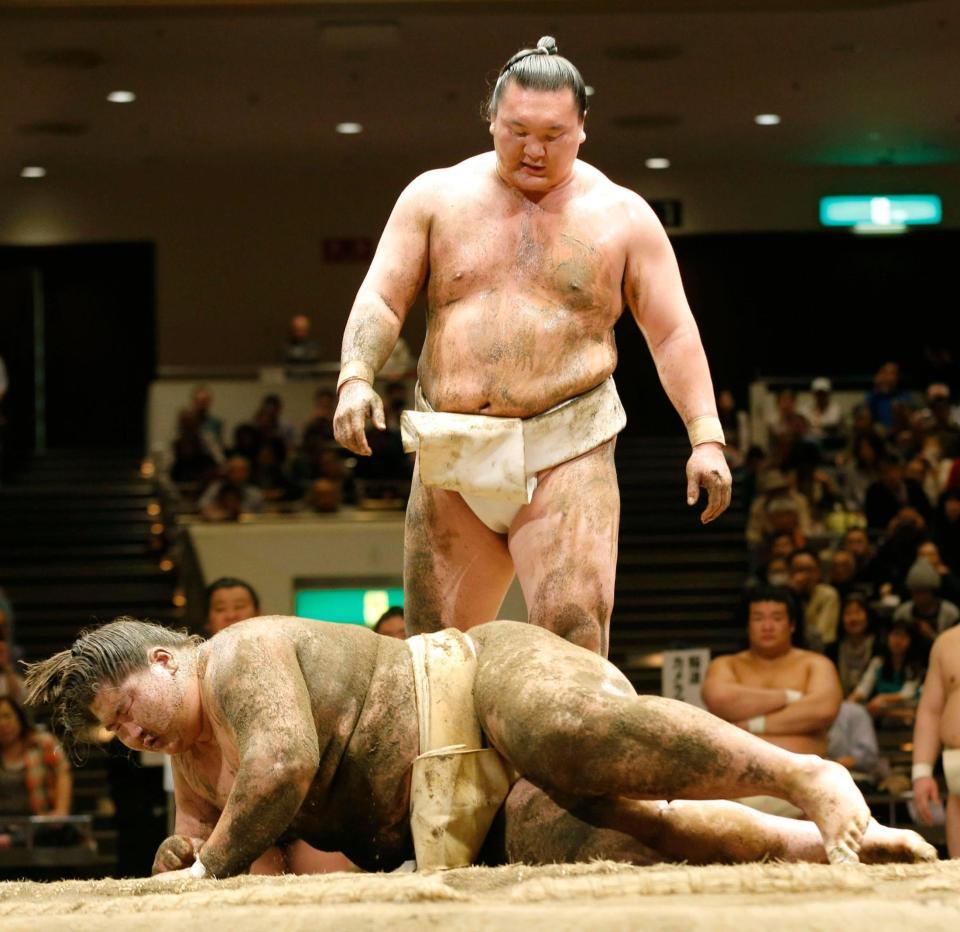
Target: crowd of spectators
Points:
x,y
269,464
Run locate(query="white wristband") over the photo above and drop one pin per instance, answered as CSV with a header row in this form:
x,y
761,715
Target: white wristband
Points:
x,y
355,370
920,771
705,429
793,695
198,870
757,725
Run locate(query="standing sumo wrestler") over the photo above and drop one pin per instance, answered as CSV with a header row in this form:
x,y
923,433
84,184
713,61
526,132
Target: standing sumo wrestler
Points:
x,y
530,255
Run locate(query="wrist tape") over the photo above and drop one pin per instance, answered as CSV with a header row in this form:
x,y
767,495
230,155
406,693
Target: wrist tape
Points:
x,y
705,429
198,870
355,370
793,695
919,771
757,725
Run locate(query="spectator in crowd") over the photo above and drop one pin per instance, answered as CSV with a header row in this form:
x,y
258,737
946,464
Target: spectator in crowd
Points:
x,y
926,610
860,469
34,773
391,624
843,572
781,420
193,461
230,600
898,551
939,420
823,414
819,602
885,395
852,741
320,425
233,494
749,474
782,545
856,644
778,571
268,473
946,530
246,442
857,543
814,482
787,695
209,426
937,725
270,424
891,492
324,496
300,352
949,582
11,683
890,684
778,507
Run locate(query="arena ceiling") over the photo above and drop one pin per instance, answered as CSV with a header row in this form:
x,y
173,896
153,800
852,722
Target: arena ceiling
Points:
x,y
856,82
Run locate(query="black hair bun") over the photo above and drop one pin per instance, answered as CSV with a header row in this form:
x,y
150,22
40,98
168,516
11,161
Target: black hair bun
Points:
x,y
548,44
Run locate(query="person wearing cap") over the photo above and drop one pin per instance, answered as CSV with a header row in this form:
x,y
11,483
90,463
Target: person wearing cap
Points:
x,y
529,257
779,508
931,614
823,412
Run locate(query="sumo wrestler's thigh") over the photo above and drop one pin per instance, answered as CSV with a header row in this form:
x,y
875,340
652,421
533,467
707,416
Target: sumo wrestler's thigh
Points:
x,y
456,571
564,548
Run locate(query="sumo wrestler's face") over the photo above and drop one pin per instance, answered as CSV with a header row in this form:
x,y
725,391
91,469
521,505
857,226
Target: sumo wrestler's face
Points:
x,y
150,709
769,628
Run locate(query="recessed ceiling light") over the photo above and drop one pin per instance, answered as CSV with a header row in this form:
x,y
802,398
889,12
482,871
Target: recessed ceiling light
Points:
x,y
589,90
32,171
121,97
767,119
349,129
657,163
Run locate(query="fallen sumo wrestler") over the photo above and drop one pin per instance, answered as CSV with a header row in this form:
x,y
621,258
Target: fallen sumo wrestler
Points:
x,y
505,745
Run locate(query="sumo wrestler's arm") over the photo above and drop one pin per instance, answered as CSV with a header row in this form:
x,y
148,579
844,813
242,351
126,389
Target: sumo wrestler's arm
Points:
x,y
196,818
391,285
260,698
726,697
816,709
654,293
926,730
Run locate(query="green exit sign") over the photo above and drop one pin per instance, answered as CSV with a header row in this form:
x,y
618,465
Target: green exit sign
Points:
x,y
347,606
881,211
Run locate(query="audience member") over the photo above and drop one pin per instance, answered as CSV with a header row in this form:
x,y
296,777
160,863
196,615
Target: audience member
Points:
x,y
780,420
268,473
269,423
300,352
860,469
35,777
843,572
939,420
390,624
749,474
937,725
208,424
949,582
890,683
246,442
324,496
11,683
229,600
856,644
890,493
857,543
193,460
926,610
233,495
852,741
786,695
885,395
823,414
898,550
778,508
320,425
819,603
814,482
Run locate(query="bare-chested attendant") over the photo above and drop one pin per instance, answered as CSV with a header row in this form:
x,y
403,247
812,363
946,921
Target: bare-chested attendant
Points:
x,y
938,725
788,696
531,256
327,731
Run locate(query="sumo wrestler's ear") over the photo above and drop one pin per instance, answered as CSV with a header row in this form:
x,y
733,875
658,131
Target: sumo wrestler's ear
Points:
x,y
583,134
163,657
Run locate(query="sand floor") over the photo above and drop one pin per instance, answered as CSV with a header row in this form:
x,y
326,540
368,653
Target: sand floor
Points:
x,y
602,895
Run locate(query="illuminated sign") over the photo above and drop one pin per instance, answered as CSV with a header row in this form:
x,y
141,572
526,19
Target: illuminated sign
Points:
x,y
881,213
347,606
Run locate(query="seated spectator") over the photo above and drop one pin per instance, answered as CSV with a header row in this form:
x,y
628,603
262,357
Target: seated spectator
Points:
x,y
949,582
246,442
11,683
860,469
780,420
268,473
857,543
34,773
230,600
823,414
748,476
192,458
814,482
946,530
852,741
856,644
898,550
892,492
209,426
782,545
788,696
234,494
300,353
391,624
940,421
818,602
270,424
778,508
926,610
885,395
320,425
890,684
843,571
324,496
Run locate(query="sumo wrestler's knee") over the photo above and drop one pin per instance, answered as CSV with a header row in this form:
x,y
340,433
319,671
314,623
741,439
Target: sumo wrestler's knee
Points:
x,y
578,624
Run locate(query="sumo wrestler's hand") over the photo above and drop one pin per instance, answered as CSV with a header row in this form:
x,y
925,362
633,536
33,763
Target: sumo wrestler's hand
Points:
x,y
357,404
707,468
925,791
175,853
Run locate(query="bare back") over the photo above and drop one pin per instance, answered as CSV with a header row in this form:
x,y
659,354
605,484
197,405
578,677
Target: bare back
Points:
x,y
532,289
363,708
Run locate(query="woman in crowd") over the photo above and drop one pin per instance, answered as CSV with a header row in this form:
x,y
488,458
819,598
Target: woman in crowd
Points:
x,y
855,647
890,684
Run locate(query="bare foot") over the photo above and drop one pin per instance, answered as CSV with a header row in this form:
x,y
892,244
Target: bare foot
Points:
x,y
881,845
825,791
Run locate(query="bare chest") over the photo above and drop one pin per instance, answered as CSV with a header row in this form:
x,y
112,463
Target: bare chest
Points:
x,y
210,773
787,675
